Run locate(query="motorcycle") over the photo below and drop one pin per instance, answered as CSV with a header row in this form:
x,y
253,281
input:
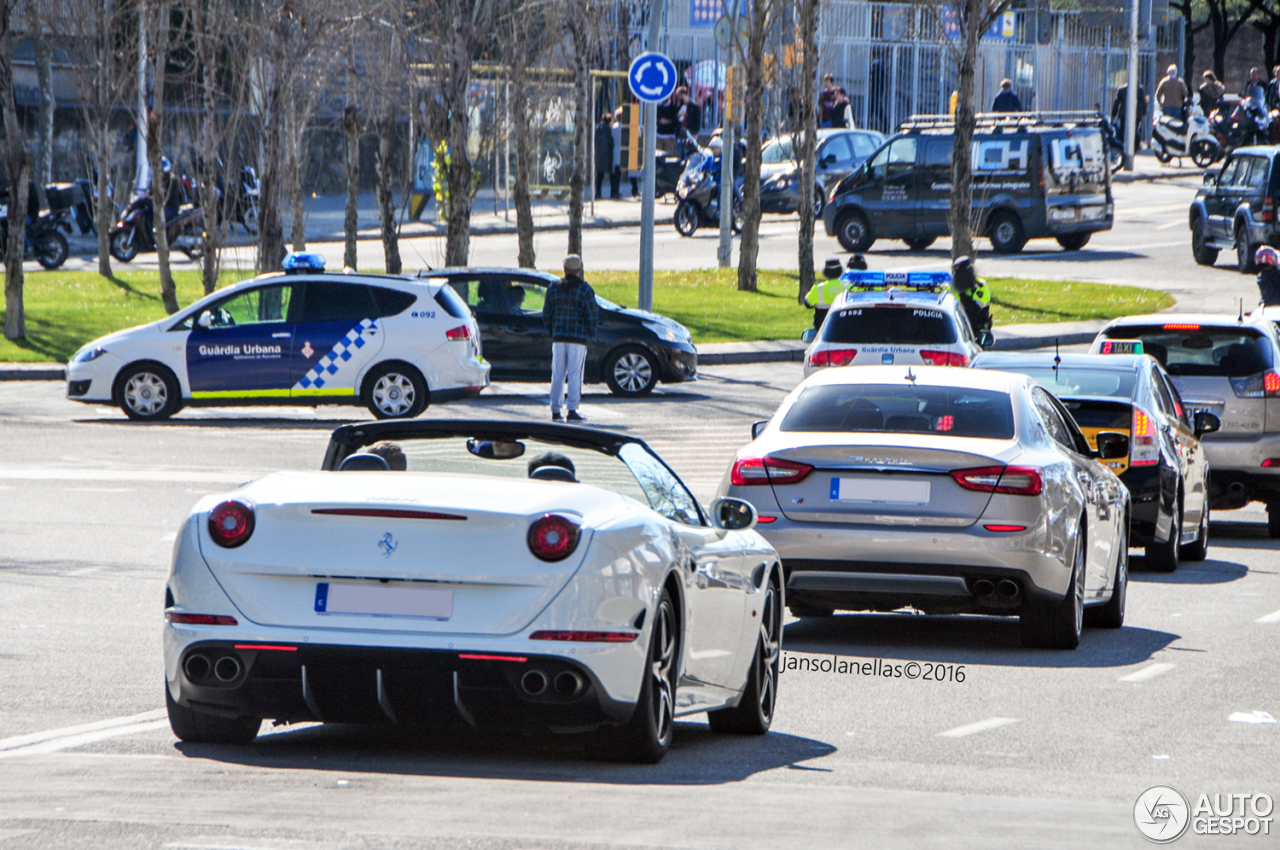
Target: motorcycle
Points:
x,y
1192,137
1112,141
698,192
245,205
134,232
1240,123
44,242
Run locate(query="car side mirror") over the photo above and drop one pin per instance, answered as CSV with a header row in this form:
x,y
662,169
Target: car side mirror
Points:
x,y
828,160
986,339
206,320
732,514
1112,445
1210,176
809,335
1206,423
757,427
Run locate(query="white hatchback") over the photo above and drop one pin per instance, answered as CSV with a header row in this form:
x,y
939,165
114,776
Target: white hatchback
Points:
x,y
393,344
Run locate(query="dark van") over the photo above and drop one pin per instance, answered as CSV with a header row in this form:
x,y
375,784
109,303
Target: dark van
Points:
x,y
1032,178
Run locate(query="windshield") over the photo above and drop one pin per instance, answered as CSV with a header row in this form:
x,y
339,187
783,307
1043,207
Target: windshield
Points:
x,y
777,151
1194,351
880,408
1095,382
890,325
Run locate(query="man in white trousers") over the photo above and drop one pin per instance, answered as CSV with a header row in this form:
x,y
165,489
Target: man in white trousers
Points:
x,y
570,314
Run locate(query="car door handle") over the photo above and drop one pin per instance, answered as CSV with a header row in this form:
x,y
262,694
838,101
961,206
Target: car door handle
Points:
x,y
281,335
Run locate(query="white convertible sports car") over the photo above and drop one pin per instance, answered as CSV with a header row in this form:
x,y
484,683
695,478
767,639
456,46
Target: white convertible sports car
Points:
x,y
492,574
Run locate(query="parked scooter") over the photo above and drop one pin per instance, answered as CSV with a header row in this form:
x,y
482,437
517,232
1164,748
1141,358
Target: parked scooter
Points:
x,y
245,203
699,195
1112,141
44,243
1240,123
134,232
1192,137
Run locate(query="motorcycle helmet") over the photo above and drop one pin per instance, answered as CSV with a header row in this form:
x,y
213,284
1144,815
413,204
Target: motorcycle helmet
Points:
x,y
716,144
165,165
1267,256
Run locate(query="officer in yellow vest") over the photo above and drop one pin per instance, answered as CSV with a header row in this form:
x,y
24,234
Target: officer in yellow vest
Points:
x,y
824,294
973,294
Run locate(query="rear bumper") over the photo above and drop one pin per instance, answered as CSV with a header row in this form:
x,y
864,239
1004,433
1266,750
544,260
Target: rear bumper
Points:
x,y
457,393
1238,476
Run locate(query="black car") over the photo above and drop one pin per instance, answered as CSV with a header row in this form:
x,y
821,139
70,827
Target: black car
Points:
x,y
1236,207
1165,472
633,350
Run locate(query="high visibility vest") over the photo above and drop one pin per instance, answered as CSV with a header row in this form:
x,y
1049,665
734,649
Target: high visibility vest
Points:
x,y
824,294
982,293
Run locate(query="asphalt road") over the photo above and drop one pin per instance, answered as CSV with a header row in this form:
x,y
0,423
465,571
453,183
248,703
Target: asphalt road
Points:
x,y
1032,749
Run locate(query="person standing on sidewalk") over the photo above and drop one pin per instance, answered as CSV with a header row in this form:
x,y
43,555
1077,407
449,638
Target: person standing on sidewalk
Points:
x,y
1172,95
604,156
570,314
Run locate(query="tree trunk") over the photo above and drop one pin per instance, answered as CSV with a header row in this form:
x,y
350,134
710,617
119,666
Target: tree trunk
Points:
x,y
458,229
1188,38
168,292
44,137
102,209
386,198
297,210
754,95
270,227
808,31
520,93
213,208
18,163
582,126
960,216
350,223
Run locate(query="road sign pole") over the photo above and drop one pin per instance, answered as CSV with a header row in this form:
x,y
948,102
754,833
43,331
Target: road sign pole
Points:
x,y
645,300
725,252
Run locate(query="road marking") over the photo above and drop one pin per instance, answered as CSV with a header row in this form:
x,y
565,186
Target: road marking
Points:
x,y
1273,617
975,728
71,741
1149,672
169,538
1251,717
67,731
34,473
1169,225
232,842
76,574
101,489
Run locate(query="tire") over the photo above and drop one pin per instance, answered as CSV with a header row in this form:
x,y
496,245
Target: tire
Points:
x,y
735,223
1204,154
1116,159
818,203
686,218
194,727
1273,519
920,244
1059,625
754,712
52,250
1204,255
630,372
1074,241
1198,550
1163,557
646,737
1005,233
124,245
854,233
1111,615
395,391
251,221
800,609
148,392
1162,156
1244,252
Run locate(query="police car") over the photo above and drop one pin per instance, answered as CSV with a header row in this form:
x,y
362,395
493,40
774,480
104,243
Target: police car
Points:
x,y
393,344
895,318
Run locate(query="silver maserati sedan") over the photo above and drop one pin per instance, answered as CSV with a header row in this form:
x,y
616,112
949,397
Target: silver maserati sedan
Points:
x,y
944,490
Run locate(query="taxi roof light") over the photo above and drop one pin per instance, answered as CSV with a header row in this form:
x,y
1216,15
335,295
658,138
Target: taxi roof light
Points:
x,y
1122,346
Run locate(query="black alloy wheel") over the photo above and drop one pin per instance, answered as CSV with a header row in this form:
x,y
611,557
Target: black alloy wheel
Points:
x,y
1204,153
124,245
1198,549
51,249
1005,233
1059,626
1244,251
854,233
1200,248
818,202
646,737
1163,557
686,218
754,712
630,372
195,727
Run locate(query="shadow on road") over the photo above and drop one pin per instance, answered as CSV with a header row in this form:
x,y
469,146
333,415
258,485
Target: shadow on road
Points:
x,y
697,756
252,421
1209,571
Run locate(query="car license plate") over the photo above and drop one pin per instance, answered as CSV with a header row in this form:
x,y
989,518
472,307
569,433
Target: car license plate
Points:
x,y
384,601
877,490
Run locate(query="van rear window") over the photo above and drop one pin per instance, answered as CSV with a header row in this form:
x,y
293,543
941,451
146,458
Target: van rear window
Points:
x,y
890,325
1203,351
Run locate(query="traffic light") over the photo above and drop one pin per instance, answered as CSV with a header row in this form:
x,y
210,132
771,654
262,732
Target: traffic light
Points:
x,y
735,92
632,145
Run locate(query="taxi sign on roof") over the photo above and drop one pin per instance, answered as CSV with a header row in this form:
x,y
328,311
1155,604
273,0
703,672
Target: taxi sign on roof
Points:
x,y
905,280
1122,346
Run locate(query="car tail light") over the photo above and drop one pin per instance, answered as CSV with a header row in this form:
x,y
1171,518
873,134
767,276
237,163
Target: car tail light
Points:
x,y
1013,480
833,357
943,358
1142,439
767,470
200,619
1271,463
1264,384
462,332
1005,529
553,538
1268,209
1181,326
231,524
765,520
587,637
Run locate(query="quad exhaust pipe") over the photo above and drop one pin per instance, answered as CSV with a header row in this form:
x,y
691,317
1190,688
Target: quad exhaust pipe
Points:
x,y
534,683
982,588
569,683
227,668
1008,589
199,668
566,683
1002,591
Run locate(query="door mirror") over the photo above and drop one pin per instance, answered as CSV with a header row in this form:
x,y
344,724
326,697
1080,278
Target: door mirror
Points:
x,y
809,335
1210,176
1112,445
986,339
206,320
1206,423
827,161
732,514
757,427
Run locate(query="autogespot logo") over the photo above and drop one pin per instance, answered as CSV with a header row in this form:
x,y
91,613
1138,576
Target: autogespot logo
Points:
x,y
1161,814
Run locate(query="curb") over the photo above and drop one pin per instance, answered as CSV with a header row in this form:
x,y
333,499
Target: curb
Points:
x,y
1128,177
1027,343
32,372
735,357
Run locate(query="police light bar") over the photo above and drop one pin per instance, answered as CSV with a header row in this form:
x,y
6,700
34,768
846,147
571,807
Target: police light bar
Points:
x,y
903,280
1122,346
303,261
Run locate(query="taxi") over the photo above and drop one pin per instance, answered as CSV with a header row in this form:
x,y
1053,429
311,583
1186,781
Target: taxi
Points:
x,y
393,344
895,318
1124,390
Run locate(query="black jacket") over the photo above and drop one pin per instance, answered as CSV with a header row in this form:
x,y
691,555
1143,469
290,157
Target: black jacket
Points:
x,y
604,148
1269,285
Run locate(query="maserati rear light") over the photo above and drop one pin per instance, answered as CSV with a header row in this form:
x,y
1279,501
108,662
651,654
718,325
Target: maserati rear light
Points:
x,y
833,357
767,470
1005,529
200,619
1261,385
231,523
943,358
553,538
1142,439
462,332
586,637
1013,480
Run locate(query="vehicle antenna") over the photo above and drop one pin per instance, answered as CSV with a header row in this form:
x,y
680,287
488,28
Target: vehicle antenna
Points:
x,y
1241,318
911,376
1057,356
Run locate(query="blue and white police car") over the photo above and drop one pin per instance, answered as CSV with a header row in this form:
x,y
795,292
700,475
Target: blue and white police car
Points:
x,y
894,318
391,343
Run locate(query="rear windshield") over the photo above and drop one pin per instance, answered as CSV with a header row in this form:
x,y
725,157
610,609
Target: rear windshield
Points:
x,y
1203,352
872,408
447,297
1100,414
1100,382
882,325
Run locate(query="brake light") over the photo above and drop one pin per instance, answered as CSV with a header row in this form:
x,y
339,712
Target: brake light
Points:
x,y
385,513
1142,440
553,538
833,357
1012,480
231,524
266,647
1268,209
765,520
1005,529
767,470
1264,384
462,332
1178,326
200,619
943,358
1271,463
587,637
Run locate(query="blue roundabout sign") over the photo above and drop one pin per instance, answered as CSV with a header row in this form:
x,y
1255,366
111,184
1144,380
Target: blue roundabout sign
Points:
x,y
652,77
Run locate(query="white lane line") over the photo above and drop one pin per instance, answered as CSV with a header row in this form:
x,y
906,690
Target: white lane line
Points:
x,y
34,473
975,728
1251,717
1170,224
77,574
1149,672
101,489
49,734
1273,617
169,538
67,743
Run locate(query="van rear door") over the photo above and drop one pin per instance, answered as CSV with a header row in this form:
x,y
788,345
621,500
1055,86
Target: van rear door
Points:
x,y
1075,180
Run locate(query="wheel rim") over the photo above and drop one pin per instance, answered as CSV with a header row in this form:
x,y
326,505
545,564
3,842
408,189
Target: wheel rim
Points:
x,y
1078,591
1122,571
1242,251
661,668
767,656
146,393
685,219
633,372
817,203
1005,232
394,394
854,231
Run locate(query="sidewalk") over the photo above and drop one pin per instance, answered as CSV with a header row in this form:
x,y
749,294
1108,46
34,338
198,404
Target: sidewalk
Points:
x,y
1147,168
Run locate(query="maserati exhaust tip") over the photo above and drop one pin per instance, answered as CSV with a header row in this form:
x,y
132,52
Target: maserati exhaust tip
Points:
x,y
227,668
983,588
197,667
1008,588
569,683
534,682
1236,489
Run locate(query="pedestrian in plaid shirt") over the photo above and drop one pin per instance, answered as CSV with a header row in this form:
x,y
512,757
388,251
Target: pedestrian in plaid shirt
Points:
x,y
570,314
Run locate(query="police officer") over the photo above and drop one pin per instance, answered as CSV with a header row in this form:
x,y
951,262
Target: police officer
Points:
x,y
821,296
973,293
